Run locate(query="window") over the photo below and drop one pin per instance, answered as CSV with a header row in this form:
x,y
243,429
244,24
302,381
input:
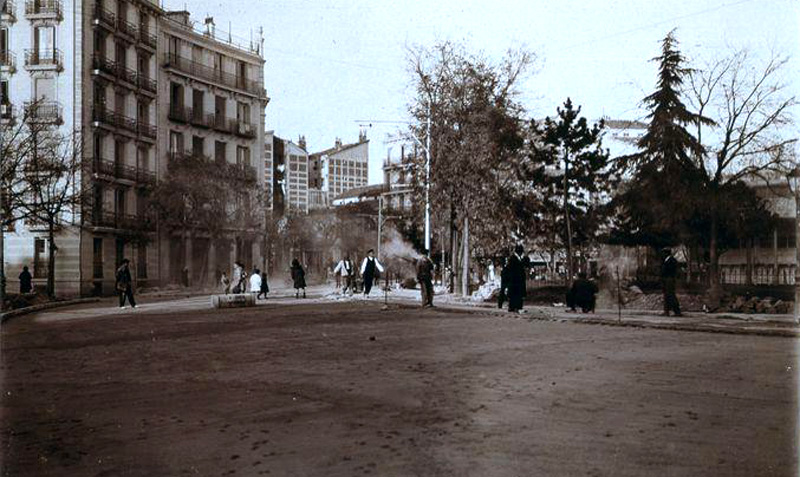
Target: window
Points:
x,y
141,261
174,46
218,63
120,251
119,101
121,54
44,41
99,44
39,258
198,145
4,42
142,65
197,103
219,152
119,202
242,156
122,10
119,153
243,112
4,99
197,54
144,23
143,112
175,97
97,147
175,142
219,106
97,257
97,203
142,158
99,94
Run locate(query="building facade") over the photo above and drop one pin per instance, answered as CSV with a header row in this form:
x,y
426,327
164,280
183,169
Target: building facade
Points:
x,y
295,177
399,176
119,75
344,166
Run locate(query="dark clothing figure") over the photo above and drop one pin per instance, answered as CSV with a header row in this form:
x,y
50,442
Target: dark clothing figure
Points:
x,y
669,278
264,287
370,268
582,294
25,281
425,279
125,285
515,282
299,278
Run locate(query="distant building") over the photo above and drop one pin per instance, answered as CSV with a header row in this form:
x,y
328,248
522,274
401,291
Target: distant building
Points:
x,y
399,177
269,171
344,166
295,177
366,194
621,135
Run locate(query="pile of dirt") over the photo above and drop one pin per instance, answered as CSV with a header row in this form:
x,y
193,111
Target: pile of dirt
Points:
x,y
754,304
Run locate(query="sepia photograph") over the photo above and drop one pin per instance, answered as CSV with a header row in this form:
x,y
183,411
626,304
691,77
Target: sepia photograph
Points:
x,y
347,238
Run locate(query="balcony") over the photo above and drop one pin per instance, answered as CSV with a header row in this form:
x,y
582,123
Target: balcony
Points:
x,y
102,114
147,39
44,60
44,112
112,68
102,167
8,11
113,220
199,70
103,64
191,116
146,83
223,124
127,29
104,17
8,113
245,129
8,62
44,10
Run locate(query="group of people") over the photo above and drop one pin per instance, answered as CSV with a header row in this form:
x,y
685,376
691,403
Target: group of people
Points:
x,y
241,282
370,271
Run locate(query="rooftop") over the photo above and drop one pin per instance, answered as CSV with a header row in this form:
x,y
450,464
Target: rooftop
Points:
x,y
182,19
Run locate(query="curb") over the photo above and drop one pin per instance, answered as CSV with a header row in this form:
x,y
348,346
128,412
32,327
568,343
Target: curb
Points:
x,y
539,315
45,306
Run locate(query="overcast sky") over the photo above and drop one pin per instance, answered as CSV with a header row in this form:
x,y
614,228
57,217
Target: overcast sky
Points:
x,y
330,64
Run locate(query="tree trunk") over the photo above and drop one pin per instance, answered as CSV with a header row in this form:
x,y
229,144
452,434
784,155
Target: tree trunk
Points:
x,y
715,290
2,265
453,249
51,262
465,261
570,264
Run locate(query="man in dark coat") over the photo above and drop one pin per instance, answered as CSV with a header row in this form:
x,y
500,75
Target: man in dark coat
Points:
x,y
25,281
669,277
425,279
582,294
369,268
125,284
515,285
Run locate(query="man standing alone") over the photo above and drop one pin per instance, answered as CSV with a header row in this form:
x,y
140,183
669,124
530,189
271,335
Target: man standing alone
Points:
x,y
345,270
669,277
425,279
368,268
515,285
125,284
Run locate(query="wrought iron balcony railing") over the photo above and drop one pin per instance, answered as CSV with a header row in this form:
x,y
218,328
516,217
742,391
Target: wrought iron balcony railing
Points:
x,y
245,129
115,220
147,38
8,60
104,17
100,113
44,8
7,111
8,8
50,58
44,112
122,171
185,65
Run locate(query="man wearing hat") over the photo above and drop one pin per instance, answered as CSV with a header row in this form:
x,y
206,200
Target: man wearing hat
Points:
x,y
669,276
369,266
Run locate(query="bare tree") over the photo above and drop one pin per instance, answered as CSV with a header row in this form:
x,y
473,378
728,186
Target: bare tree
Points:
x,y
52,188
751,110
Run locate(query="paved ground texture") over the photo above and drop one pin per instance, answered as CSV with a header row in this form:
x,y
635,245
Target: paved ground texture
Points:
x,y
343,389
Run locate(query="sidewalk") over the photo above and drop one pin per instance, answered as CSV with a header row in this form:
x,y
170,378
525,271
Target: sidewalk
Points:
x,y
735,323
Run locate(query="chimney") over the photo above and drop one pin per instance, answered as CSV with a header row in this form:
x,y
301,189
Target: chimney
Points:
x,y
180,16
209,21
338,143
362,135
302,142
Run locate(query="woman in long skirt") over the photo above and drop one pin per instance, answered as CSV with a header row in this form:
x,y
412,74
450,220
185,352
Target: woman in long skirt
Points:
x,y
299,278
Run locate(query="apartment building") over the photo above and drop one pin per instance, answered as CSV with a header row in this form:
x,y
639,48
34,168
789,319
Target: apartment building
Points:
x,y
213,111
399,176
295,177
110,72
344,166
269,171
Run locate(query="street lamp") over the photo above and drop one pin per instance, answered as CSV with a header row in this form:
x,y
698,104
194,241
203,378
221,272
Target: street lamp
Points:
x,y
794,185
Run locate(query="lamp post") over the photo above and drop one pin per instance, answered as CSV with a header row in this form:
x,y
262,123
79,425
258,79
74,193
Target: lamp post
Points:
x,y
794,184
428,183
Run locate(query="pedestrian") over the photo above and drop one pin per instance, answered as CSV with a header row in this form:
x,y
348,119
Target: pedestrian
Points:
x,y
345,272
582,294
516,280
255,282
370,268
264,286
25,281
125,284
226,283
298,278
425,279
237,277
669,277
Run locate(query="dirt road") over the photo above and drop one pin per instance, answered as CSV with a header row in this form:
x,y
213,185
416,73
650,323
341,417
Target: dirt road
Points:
x,y
347,389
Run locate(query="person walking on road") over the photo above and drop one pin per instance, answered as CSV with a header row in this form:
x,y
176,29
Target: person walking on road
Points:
x,y
25,281
515,285
298,278
237,277
264,286
125,284
582,294
669,277
425,279
346,271
255,282
370,268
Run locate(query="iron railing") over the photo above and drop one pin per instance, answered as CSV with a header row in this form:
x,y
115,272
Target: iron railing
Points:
x,y
50,57
44,112
185,65
114,220
8,7
122,171
101,113
54,8
8,59
104,17
110,67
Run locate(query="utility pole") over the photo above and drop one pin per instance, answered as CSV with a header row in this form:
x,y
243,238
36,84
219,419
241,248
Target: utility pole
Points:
x,y
428,182
380,224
